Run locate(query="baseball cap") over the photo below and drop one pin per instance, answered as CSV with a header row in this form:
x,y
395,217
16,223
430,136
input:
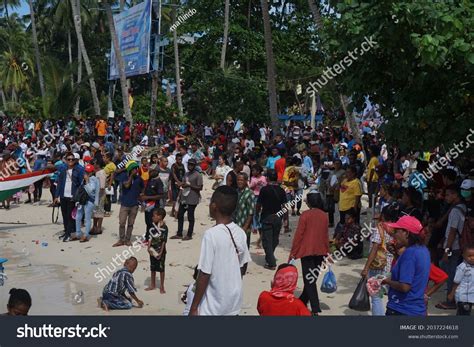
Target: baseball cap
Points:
x,y
89,168
96,145
192,161
86,144
76,156
407,223
87,158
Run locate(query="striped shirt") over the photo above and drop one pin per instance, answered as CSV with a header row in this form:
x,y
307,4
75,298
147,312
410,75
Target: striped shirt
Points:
x,y
120,282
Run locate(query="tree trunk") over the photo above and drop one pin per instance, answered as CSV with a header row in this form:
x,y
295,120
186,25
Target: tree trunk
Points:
x,y
75,5
120,61
226,33
5,5
79,79
69,49
122,5
177,68
2,95
155,79
249,13
37,51
316,15
351,123
271,78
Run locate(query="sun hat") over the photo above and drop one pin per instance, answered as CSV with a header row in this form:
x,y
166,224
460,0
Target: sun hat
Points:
x,y
87,144
407,223
132,164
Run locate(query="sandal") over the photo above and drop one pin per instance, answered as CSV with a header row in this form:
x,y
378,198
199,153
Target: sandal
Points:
x,y
446,305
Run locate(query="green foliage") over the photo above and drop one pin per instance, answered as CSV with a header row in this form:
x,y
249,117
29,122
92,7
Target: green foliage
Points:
x,y
422,66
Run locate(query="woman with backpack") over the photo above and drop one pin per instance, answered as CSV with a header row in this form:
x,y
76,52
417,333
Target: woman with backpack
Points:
x,y
88,199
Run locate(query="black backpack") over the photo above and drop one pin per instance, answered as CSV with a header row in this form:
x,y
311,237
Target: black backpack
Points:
x,y
81,196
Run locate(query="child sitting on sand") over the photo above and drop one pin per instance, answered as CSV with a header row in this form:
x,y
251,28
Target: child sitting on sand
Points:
x,y
157,248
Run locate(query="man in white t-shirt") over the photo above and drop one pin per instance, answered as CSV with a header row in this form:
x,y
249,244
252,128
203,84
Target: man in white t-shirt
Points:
x,y
224,252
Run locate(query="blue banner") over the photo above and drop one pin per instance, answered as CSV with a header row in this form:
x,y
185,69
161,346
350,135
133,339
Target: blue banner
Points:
x,y
133,28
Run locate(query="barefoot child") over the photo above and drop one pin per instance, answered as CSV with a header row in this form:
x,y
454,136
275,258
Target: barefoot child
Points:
x,y
157,248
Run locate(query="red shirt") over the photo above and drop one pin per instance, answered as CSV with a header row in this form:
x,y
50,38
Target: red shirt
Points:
x,y
268,305
280,166
311,236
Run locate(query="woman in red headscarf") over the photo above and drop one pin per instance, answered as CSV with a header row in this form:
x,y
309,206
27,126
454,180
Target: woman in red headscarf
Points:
x,y
280,300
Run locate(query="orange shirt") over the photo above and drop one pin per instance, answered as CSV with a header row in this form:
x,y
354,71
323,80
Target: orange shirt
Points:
x,y
280,166
101,127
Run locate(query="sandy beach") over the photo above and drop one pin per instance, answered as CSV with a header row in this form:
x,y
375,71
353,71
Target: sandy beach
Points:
x,y
54,272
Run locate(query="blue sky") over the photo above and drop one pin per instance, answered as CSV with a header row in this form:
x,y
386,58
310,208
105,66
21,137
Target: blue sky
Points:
x,y
24,9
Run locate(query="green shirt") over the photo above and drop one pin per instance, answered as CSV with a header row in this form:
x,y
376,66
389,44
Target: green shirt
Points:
x,y
245,207
158,237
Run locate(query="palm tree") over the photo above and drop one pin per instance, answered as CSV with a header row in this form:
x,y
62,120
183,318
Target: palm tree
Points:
x,y
271,78
226,32
76,6
13,74
6,3
120,61
37,51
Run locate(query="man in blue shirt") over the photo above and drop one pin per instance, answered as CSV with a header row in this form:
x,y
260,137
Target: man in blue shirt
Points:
x,y
131,190
411,272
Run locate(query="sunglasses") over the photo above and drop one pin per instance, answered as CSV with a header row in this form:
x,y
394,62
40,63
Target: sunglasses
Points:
x,y
70,159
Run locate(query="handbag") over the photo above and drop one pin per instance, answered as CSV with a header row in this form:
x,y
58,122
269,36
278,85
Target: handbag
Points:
x,y
380,260
360,299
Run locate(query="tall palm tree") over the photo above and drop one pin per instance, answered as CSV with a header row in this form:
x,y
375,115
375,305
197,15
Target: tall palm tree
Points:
x,y
37,51
14,76
226,33
76,6
120,61
271,77
9,3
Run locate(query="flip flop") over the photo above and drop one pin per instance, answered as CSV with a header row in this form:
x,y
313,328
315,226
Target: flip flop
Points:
x,y
445,305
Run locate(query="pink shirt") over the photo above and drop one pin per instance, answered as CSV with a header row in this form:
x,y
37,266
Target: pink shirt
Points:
x,y
257,183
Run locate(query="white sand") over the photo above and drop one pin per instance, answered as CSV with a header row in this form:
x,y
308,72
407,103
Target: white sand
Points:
x,y
62,269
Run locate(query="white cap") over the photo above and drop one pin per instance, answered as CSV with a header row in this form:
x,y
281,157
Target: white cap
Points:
x,y
467,184
76,156
96,145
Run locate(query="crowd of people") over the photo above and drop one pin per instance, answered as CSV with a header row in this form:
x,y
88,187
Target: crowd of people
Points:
x,y
422,225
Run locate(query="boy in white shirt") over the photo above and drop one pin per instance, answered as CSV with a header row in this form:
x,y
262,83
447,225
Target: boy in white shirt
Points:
x,y
224,253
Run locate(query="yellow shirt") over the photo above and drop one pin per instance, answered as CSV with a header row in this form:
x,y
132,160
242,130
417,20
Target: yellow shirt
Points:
x,y
373,163
350,190
101,128
290,178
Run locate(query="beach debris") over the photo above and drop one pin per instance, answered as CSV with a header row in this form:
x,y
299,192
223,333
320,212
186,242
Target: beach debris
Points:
x,y
24,264
44,244
95,262
175,264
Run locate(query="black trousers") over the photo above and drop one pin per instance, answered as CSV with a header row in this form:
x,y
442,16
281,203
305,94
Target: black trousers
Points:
x,y
270,230
67,205
182,210
330,206
38,190
149,224
108,203
309,267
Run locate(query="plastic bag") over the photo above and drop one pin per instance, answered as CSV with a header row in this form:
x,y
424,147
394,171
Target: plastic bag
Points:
x,y
360,299
329,284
